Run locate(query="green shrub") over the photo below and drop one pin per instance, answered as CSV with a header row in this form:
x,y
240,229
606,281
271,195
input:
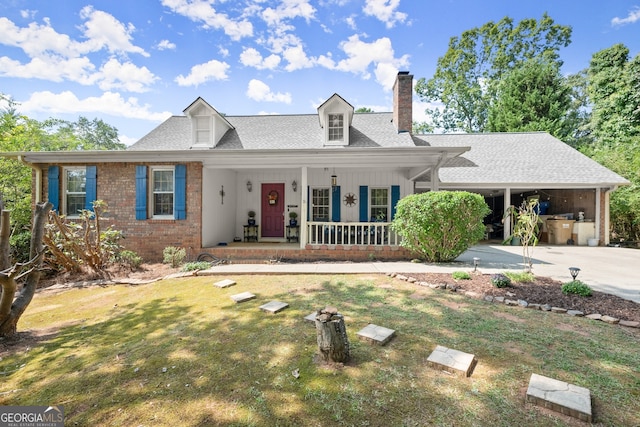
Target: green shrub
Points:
x,y
440,225
576,287
520,276
461,275
196,265
173,256
500,280
130,259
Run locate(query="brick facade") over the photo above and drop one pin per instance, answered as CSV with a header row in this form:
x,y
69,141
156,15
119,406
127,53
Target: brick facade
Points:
x,y
116,186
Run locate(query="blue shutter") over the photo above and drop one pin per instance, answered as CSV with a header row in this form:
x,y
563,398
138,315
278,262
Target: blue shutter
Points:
x,y
180,194
335,204
364,203
141,192
90,187
395,196
53,179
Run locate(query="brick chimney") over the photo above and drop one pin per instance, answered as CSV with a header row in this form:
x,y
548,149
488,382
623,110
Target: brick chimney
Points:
x,y
403,102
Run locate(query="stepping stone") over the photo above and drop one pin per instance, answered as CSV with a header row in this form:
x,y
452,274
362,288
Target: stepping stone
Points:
x,y
311,317
376,334
274,306
225,283
561,397
245,296
452,361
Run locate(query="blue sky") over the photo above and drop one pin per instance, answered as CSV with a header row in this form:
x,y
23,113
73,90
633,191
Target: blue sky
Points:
x,y
134,63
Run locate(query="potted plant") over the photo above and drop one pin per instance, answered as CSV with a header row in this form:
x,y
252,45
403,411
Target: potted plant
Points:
x,y
293,218
252,218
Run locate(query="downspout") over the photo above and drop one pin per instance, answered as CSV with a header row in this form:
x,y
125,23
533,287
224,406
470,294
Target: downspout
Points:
x,y
38,171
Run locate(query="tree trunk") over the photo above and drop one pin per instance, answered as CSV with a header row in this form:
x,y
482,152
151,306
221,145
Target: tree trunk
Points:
x,y
5,233
333,343
8,323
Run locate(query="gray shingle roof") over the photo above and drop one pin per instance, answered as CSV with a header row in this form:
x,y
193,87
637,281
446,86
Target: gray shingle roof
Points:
x,y
277,132
518,158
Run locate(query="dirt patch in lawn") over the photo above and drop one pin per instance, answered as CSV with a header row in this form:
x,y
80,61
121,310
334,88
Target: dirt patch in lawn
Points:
x,y
542,290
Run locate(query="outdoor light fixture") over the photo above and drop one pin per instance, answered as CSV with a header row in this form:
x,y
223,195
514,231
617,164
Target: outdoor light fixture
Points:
x,y
294,185
574,272
249,186
334,180
476,261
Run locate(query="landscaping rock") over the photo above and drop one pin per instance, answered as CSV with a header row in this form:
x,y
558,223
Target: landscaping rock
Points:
x,y
499,299
594,316
545,307
575,313
558,310
534,306
611,320
629,324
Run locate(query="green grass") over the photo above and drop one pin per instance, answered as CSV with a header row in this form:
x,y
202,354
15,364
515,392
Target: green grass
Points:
x,y
103,351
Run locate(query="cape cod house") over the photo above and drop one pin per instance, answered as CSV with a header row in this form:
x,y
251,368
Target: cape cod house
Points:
x,y
192,181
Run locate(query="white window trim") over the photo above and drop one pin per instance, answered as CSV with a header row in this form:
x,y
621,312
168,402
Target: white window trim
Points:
x,y
314,205
151,192
345,129
64,188
372,206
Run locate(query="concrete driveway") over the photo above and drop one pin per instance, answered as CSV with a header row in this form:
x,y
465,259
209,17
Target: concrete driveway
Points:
x,y
606,269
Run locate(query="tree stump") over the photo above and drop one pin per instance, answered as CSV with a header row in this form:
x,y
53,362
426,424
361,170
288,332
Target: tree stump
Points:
x,y
333,343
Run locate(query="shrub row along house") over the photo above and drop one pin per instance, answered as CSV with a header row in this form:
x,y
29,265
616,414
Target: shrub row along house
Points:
x,y
192,181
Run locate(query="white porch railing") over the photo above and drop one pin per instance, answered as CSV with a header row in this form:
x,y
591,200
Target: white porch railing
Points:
x,y
351,233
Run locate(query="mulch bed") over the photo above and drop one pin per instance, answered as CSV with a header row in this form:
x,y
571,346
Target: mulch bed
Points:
x,y
542,291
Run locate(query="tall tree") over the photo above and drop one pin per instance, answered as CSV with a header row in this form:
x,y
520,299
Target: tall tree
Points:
x,y
532,97
466,77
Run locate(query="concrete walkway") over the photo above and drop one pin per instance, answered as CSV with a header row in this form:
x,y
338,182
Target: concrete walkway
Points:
x,y
605,269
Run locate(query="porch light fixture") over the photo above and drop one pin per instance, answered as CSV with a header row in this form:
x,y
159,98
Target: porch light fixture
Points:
x,y
294,186
249,186
334,180
476,261
574,272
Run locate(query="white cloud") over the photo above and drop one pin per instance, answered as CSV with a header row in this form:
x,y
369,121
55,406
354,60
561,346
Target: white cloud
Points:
x,y
127,76
360,56
297,59
260,91
385,11
103,30
28,14
108,103
54,69
202,73
202,11
250,57
633,17
289,9
166,45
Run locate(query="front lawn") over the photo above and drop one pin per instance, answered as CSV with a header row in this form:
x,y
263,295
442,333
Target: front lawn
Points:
x,y
182,353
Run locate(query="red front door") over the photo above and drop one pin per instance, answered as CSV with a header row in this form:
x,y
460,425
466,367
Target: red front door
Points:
x,y
272,217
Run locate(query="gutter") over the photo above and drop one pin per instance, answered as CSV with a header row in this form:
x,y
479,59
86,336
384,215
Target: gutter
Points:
x,y
38,171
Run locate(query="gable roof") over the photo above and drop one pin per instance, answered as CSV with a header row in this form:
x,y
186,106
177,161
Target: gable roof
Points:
x,y
518,159
273,132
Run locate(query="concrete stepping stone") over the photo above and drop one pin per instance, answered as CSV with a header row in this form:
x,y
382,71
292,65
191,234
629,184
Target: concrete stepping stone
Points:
x,y
245,296
560,396
452,361
375,334
311,317
225,283
274,306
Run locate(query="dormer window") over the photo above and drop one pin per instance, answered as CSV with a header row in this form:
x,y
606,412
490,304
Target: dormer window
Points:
x,y
203,130
336,127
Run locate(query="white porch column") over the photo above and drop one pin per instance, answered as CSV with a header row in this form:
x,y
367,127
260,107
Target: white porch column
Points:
x,y
506,232
304,207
